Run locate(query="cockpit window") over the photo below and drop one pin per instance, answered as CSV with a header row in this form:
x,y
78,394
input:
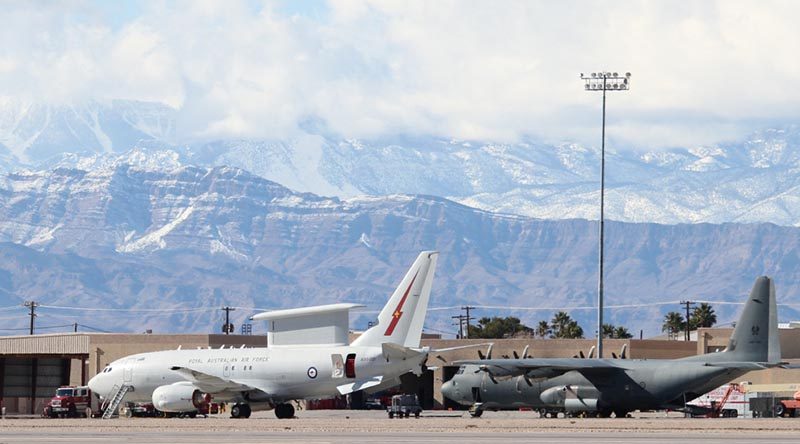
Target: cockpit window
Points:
x,y
461,370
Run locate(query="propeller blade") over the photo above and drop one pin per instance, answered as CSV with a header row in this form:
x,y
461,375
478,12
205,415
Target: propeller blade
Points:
x,y
516,356
481,356
489,351
613,355
580,353
623,353
525,352
591,352
439,357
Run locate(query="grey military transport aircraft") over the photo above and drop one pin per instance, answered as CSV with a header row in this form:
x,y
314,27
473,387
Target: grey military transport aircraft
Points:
x,y
600,387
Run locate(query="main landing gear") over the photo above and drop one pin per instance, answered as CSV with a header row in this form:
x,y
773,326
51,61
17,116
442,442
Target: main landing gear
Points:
x,y
284,411
240,411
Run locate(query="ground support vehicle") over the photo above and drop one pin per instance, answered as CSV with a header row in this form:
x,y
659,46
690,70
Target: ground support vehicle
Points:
x,y
404,406
73,402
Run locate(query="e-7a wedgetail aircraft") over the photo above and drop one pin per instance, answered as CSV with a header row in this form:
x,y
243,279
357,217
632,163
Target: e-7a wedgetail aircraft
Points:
x,y
602,386
307,357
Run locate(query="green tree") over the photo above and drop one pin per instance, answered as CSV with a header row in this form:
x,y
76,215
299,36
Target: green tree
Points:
x,y
562,326
673,323
612,332
702,316
543,330
497,328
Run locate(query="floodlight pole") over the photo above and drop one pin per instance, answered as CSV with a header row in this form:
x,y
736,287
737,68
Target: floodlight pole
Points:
x,y
593,83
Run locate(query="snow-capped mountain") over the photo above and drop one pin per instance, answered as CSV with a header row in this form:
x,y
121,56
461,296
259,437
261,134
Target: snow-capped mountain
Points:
x,y
122,235
754,180
34,132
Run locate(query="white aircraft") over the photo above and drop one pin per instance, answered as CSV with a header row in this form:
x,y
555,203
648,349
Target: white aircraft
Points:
x,y
308,357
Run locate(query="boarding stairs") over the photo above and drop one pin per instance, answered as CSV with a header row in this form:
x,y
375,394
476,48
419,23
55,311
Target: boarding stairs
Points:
x,y
119,393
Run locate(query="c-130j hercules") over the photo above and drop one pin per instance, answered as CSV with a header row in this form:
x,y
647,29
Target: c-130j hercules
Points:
x,y
604,386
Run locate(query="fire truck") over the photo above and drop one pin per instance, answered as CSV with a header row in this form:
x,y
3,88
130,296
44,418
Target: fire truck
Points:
x,y
73,402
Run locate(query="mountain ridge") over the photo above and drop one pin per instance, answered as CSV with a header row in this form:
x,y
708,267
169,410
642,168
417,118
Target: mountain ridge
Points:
x,y
130,238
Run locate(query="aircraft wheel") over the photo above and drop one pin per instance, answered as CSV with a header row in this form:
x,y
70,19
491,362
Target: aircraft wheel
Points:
x,y
284,411
238,410
193,414
780,410
620,413
391,415
474,413
416,414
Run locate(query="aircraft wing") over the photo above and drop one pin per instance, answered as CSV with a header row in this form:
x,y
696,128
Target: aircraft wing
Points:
x,y
210,383
747,365
359,385
544,367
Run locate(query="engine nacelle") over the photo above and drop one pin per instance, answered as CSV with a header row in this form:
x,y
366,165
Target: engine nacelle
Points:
x,y
571,398
179,397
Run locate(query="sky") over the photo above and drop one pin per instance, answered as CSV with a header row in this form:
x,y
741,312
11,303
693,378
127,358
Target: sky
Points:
x,y
703,72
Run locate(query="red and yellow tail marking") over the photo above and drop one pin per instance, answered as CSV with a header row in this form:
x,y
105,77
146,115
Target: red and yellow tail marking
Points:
x,y
397,313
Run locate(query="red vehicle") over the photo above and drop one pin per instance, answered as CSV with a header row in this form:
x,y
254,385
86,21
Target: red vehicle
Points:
x,y
789,407
72,402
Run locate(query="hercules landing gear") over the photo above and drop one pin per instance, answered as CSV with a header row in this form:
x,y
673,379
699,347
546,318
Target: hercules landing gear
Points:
x,y
240,411
284,411
475,410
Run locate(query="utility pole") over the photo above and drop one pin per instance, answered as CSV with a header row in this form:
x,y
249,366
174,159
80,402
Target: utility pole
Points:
x,y
460,325
227,328
467,318
32,305
687,304
603,81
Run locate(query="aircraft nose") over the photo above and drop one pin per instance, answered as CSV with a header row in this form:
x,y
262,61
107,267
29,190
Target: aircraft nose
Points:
x,y
449,390
93,384
98,385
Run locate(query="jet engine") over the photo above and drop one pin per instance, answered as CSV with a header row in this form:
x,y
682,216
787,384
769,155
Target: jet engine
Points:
x,y
179,397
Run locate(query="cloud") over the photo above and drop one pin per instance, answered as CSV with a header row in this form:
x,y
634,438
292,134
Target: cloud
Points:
x,y
702,71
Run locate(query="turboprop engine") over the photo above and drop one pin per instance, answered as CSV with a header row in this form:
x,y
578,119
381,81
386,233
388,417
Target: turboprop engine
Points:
x,y
572,398
179,397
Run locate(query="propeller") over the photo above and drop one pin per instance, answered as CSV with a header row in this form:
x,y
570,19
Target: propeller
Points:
x,y
524,353
486,371
622,353
488,353
591,352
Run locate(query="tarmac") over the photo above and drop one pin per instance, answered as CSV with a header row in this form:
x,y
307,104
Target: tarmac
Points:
x,y
347,426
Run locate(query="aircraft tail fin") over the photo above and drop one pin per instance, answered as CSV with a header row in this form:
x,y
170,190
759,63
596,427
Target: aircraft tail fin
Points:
x,y
755,338
400,322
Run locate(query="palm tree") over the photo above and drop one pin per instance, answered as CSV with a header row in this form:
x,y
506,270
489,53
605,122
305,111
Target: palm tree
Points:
x,y
702,316
673,323
543,330
572,331
622,333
